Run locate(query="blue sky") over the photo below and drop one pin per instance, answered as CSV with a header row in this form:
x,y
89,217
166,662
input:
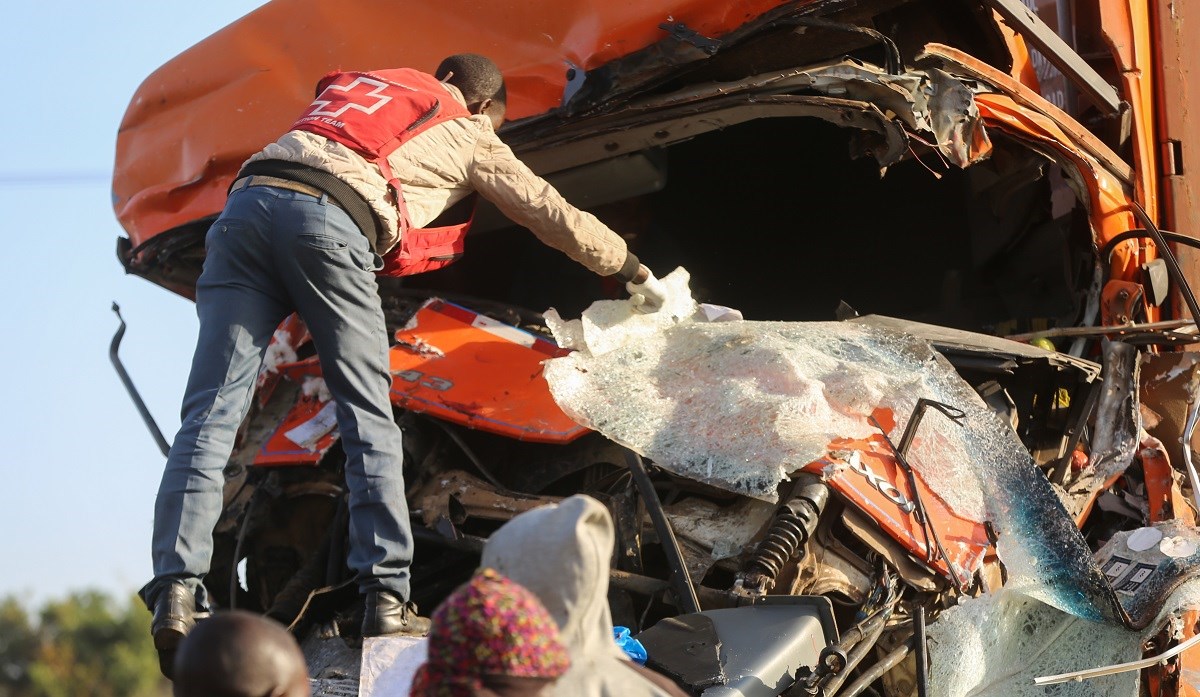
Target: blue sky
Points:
x,y
79,471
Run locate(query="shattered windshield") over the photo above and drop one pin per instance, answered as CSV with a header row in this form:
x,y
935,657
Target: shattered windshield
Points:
x,y
742,405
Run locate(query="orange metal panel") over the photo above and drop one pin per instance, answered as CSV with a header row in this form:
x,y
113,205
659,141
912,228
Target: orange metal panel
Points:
x,y
1023,69
1177,36
468,369
451,363
1048,80
282,450
1126,28
1163,495
1189,661
869,478
191,123
1029,98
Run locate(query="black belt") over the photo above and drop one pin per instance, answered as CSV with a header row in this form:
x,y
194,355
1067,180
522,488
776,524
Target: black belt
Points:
x,y
264,180
338,191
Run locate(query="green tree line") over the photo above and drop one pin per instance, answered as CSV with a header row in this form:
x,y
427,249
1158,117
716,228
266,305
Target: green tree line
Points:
x,y
87,645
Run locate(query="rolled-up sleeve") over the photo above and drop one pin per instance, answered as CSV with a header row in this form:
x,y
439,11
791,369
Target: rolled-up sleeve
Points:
x,y
528,200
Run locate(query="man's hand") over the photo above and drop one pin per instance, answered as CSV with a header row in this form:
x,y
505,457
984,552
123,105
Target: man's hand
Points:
x,y
647,292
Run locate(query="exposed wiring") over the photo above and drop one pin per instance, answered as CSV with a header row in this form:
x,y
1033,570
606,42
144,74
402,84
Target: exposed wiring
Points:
x,y
1160,239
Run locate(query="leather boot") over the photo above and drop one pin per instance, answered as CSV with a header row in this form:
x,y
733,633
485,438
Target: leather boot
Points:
x,y
174,616
387,614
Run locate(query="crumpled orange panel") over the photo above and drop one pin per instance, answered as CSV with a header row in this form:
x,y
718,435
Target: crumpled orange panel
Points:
x,y
193,122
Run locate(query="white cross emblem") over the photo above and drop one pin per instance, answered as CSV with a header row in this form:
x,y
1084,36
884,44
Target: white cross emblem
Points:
x,y
381,99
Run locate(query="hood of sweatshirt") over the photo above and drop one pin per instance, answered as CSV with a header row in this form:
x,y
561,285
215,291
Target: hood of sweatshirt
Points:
x,y
561,552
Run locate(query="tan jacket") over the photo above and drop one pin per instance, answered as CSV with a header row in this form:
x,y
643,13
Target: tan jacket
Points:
x,y
443,165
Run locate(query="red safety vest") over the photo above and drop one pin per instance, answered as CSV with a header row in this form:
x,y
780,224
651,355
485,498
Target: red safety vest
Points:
x,y
373,113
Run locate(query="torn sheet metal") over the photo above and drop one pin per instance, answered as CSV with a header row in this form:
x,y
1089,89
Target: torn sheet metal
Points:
x,y
469,369
926,101
456,496
309,429
1165,382
743,405
960,62
930,106
1117,430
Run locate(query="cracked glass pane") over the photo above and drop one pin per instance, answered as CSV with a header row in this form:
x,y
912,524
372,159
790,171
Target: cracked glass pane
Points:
x,y
741,405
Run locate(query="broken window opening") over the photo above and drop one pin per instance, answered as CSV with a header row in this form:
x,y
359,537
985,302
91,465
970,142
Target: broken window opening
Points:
x,y
775,218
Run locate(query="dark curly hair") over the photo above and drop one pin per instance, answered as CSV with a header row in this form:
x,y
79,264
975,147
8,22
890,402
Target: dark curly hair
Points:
x,y
476,76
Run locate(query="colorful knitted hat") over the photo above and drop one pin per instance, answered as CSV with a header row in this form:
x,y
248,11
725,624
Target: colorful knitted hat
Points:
x,y
488,626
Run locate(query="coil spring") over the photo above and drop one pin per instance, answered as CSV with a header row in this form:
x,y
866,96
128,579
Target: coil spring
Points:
x,y
782,542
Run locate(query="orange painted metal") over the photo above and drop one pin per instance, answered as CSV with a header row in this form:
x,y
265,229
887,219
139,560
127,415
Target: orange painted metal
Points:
x,y
1176,71
282,450
470,370
450,363
1189,661
1047,80
192,123
1119,302
292,332
1109,205
1022,113
866,473
1029,98
1022,70
1163,494
1126,28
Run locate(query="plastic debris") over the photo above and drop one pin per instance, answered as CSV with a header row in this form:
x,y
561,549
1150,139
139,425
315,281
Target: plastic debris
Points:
x,y
632,647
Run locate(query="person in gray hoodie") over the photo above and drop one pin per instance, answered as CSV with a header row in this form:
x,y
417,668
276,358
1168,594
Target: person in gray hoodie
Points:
x,y
561,552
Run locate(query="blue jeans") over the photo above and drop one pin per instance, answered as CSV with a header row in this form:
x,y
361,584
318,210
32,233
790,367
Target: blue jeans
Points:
x,y
271,252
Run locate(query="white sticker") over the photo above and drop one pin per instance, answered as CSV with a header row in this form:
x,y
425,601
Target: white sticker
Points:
x,y
1143,539
1132,583
1116,567
504,331
308,433
1177,547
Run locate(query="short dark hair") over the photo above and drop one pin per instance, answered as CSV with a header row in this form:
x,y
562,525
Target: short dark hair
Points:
x,y
239,654
476,76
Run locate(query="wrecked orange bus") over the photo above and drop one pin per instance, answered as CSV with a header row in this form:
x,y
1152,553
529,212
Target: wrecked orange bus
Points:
x,y
985,206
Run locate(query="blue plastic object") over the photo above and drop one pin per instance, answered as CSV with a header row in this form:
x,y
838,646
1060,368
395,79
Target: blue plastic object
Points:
x,y
632,647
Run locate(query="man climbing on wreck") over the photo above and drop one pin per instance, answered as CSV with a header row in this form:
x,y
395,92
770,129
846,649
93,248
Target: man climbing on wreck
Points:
x,y
309,221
